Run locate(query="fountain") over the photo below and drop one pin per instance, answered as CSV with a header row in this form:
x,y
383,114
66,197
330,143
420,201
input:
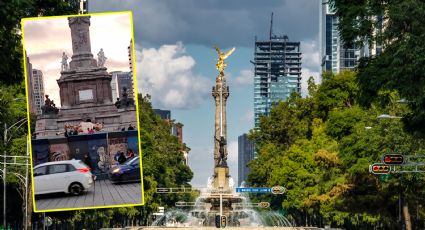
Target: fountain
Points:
x,y
219,198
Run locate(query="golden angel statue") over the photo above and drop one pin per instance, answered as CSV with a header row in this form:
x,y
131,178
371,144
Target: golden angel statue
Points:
x,y
221,57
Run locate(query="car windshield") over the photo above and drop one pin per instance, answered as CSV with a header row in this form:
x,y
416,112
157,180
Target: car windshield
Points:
x,y
131,161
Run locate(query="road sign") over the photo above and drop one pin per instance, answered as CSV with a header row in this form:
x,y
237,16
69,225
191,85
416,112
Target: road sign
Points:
x,y
254,190
263,204
379,168
393,159
278,190
163,190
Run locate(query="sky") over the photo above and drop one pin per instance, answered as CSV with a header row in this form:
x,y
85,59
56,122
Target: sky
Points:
x,y
46,39
176,60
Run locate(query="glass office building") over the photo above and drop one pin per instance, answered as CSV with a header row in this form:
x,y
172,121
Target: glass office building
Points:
x,y
277,73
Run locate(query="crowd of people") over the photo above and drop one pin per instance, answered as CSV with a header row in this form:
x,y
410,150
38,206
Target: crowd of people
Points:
x,y
83,128
122,157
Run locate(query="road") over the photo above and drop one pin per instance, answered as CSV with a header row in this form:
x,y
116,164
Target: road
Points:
x,y
103,193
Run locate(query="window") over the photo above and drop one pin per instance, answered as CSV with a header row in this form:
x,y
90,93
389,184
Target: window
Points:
x,y
40,171
57,168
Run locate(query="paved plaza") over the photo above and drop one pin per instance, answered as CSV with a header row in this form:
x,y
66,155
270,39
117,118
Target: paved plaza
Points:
x,y
103,193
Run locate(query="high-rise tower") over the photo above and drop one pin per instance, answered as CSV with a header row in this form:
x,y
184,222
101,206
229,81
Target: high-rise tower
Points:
x,y
277,72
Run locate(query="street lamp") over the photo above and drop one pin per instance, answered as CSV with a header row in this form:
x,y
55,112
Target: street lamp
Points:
x,y
386,116
6,141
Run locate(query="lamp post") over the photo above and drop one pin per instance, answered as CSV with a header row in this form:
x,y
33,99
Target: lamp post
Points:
x,y
400,195
6,141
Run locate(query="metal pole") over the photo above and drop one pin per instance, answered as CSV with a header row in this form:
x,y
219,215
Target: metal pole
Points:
x,y
44,220
221,109
4,177
221,205
26,189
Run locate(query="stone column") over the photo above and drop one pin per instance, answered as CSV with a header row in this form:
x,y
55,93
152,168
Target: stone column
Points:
x,y
82,56
220,108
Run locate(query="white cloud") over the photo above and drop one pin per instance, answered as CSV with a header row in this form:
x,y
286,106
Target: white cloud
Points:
x,y
245,77
306,74
167,75
310,64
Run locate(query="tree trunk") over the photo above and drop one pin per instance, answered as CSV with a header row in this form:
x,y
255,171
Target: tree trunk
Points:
x,y
406,216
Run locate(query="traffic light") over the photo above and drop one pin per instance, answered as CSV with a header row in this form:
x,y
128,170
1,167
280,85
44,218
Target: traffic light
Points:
x,y
223,221
393,159
217,221
379,168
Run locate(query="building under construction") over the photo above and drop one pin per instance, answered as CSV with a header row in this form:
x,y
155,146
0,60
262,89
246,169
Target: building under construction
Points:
x,y
277,72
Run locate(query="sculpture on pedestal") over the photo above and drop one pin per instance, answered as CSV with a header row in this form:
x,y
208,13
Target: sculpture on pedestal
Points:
x,y
124,102
101,59
49,107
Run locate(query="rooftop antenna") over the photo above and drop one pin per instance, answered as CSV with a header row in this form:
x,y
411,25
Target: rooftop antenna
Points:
x,y
271,26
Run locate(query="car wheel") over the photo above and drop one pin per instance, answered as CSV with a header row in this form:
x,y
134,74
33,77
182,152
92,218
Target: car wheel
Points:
x,y
76,189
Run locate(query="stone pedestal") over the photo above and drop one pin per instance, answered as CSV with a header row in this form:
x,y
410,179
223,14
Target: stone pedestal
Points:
x,y
221,178
46,126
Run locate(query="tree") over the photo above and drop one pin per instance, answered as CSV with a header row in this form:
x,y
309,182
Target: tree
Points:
x,y
398,27
320,149
11,69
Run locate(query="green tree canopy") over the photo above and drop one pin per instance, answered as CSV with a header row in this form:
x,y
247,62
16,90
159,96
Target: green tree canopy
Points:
x,y
397,27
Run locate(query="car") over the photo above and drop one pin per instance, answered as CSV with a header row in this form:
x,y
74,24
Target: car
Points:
x,y
129,171
69,176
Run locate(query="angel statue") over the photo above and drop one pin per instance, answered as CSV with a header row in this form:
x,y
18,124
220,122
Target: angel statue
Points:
x,y
101,59
64,62
221,57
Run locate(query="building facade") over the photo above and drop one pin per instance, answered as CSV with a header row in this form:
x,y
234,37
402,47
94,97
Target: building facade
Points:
x,y
334,56
245,155
119,81
277,72
37,82
30,88
164,114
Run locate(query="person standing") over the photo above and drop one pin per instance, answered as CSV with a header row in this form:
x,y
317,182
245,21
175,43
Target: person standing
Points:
x,y
121,158
87,160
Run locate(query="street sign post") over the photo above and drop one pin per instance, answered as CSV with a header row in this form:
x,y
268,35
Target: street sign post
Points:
x,y
254,190
277,190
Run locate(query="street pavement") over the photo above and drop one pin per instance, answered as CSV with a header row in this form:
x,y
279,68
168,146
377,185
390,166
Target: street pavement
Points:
x,y
103,193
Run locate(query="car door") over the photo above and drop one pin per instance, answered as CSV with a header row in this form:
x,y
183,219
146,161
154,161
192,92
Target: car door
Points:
x,y
40,180
58,178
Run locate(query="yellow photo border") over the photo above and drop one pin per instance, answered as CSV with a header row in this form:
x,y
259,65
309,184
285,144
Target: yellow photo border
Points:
x,y
136,100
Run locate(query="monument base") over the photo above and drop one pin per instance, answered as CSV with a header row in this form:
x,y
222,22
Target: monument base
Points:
x,y
221,178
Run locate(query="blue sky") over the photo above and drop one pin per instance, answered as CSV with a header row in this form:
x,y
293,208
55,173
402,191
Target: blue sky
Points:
x,y
176,60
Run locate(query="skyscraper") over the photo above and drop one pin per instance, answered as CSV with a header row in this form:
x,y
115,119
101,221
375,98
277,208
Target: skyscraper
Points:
x,y
119,81
334,56
37,89
277,72
245,155
30,86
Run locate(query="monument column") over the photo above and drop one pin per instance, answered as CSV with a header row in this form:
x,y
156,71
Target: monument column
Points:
x,y
82,56
220,92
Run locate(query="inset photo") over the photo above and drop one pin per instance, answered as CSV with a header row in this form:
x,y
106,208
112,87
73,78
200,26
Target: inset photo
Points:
x,y
82,107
